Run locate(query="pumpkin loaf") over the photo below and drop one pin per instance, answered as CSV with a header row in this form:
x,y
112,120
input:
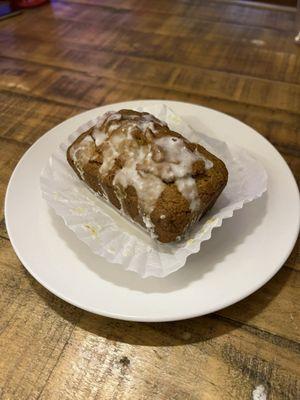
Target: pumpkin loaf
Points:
x,y
152,175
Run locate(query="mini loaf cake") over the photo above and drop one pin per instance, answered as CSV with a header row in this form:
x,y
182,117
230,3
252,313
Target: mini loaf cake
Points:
x,y
152,175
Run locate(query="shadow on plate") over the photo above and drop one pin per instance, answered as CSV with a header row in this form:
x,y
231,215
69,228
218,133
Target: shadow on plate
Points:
x,y
223,242
177,333
197,330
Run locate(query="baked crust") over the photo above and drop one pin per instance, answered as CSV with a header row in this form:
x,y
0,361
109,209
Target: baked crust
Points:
x,y
151,174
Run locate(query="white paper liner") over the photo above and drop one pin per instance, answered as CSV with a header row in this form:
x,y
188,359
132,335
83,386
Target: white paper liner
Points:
x,y
111,236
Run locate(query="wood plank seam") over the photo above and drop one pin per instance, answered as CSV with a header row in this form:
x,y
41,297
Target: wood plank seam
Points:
x,y
204,19
158,61
4,237
153,61
293,151
43,99
289,267
164,60
255,4
123,80
13,141
133,30
58,358
283,148
240,3
267,335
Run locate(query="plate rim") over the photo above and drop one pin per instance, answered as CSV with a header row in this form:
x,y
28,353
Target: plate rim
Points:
x,y
137,318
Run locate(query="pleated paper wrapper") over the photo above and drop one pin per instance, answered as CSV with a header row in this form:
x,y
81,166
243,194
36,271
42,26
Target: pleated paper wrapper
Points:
x,y
110,235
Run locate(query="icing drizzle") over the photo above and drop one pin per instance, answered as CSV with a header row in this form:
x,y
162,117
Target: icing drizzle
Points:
x,y
148,164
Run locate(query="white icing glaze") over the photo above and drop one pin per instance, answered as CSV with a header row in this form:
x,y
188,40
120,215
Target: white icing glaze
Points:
x,y
108,117
113,116
82,152
177,159
147,186
114,148
149,226
113,127
146,167
147,122
120,198
142,122
99,136
208,163
176,162
187,187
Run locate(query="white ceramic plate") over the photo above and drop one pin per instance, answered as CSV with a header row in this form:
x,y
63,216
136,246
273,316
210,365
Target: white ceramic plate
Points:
x,y
240,257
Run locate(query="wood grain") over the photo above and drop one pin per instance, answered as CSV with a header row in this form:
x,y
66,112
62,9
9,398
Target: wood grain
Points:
x,y
67,353
10,153
294,259
271,61
203,349
68,56
227,11
34,329
254,103
102,64
26,118
277,297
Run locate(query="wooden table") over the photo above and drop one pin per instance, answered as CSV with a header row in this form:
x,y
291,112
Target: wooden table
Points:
x,y
64,58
